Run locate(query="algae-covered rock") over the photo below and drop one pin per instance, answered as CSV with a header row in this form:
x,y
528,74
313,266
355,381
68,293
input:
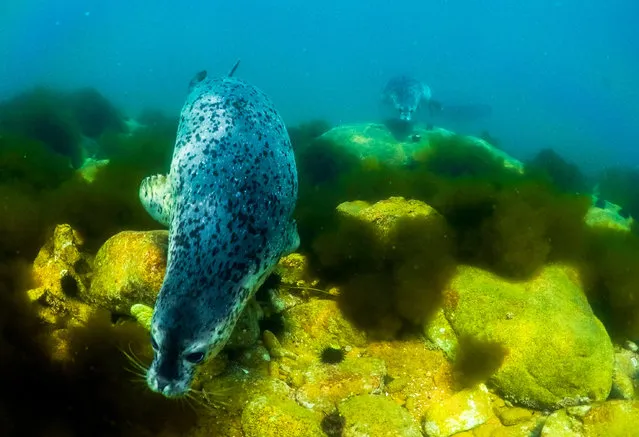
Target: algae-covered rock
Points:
x,y
326,385
465,410
128,269
371,415
296,283
561,424
312,326
402,250
371,140
417,377
439,331
625,383
510,416
266,417
386,214
61,271
618,418
376,141
606,215
555,351
61,266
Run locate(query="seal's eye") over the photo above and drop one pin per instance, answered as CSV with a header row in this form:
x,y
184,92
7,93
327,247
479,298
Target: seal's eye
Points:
x,y
195,357
154,344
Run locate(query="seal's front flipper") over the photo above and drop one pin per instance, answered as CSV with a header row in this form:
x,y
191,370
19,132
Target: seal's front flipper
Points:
x,y
157,198
292,239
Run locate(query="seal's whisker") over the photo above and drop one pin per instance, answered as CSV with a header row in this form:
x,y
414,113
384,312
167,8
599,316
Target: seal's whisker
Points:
x,y
134,360
204,399
318,290
135,372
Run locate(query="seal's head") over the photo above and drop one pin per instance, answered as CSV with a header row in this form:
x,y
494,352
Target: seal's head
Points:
x,y
179,346
405,95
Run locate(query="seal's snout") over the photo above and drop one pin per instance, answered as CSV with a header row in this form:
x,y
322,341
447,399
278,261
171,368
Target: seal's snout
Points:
x,y
167,387
162,384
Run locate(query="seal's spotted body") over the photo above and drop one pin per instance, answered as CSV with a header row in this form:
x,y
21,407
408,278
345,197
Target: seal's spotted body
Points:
x,y
405,94
228,202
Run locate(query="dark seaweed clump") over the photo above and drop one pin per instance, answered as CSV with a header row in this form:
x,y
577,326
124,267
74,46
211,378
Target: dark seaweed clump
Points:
x,y
40,143
507,222
620,185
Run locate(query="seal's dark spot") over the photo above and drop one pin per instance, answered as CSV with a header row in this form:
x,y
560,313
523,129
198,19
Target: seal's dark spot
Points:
x,y
333,424
332,355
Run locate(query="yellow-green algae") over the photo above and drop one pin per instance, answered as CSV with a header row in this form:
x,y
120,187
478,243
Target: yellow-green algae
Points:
x,y
371,415
129,269
556,352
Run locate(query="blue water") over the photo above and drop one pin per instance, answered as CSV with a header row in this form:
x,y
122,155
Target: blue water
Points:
x,y
563,74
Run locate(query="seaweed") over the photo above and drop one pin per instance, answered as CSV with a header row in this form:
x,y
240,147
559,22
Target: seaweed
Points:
x,y
549,166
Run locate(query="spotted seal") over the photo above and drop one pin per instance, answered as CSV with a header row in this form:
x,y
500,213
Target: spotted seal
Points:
x,y
228,201
406,94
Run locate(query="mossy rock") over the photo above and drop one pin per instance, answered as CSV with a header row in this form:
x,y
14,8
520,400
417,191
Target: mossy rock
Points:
x,y
372,141
370,415
607,216
612,418
547,347
128,269
266,417
325,385
313,326
418,377
465,410
401,250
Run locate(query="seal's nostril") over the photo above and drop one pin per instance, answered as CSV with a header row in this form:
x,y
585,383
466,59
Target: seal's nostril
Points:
x,y
162,383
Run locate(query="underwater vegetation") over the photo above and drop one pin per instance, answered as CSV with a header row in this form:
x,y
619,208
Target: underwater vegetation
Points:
x,y
563,175
41,135
62,121
508,222
388,237
620,185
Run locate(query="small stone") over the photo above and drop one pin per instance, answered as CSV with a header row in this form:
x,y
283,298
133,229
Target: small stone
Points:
x,y
513,416
274,417
465,410
626,374
612,418
560,424
371,415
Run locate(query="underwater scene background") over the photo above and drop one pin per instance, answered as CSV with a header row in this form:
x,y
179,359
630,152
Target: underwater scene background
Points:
x,y
472,270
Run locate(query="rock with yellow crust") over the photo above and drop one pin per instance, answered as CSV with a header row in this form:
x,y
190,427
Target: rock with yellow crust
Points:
x,y
555,352
128,269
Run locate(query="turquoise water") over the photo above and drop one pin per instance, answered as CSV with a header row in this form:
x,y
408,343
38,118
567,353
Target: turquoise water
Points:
x,y
557,73
454,274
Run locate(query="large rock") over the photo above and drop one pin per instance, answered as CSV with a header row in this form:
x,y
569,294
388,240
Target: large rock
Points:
x,y
265,417
62,273
128,269
463,411
372,140
556,352
370,415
